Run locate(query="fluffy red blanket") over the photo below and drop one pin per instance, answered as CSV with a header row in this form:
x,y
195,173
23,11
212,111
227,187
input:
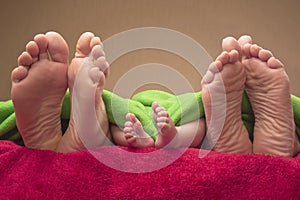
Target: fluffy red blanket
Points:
x,y
37,174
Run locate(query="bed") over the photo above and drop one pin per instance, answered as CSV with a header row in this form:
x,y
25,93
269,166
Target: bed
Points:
x,y
27,173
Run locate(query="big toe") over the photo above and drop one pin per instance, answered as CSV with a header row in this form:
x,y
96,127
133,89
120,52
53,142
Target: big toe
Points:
x,y
230,43
85,44
57,47
245,39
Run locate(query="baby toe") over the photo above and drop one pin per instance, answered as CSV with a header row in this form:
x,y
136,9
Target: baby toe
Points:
x,y
19,74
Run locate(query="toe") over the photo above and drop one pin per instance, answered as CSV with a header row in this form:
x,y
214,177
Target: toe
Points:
x,y
130,117
274,63
233,56
230,43
99,58
264,55
254,50
33,49
85,44
102,64
95,41
95,75
162,113
154,105
159,108
246,50
162,120
57,47
106,72
97,52
223,58
42,44
215,67
128,124
19,74
132,120
25,59
208,77
245,39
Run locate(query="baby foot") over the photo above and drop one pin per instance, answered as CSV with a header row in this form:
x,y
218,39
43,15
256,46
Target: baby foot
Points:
x,y
268,88
135,134
88,126
38,88
225,78
165,126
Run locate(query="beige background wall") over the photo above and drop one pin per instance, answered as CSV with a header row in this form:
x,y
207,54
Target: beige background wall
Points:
x,y
272,24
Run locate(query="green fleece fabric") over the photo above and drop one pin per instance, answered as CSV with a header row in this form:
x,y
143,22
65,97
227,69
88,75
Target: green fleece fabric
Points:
x,y
182,109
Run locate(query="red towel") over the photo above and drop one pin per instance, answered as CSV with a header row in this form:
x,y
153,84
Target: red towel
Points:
x,y
37,174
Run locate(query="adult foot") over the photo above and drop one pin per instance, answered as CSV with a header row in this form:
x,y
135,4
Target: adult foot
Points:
x,y
222,91
135,134
268,88
38,88
165,126
88,126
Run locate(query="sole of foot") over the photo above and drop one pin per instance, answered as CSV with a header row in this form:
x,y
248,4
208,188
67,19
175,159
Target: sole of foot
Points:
x,y
222,91
38,88
268,88
164,124
135,134
88,126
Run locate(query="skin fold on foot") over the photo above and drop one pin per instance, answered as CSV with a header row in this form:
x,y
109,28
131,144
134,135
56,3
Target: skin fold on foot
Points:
x,y
226,78
90,68
39,84
268,88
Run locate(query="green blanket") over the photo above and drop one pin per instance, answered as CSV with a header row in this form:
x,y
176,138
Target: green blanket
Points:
x,y
182,109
